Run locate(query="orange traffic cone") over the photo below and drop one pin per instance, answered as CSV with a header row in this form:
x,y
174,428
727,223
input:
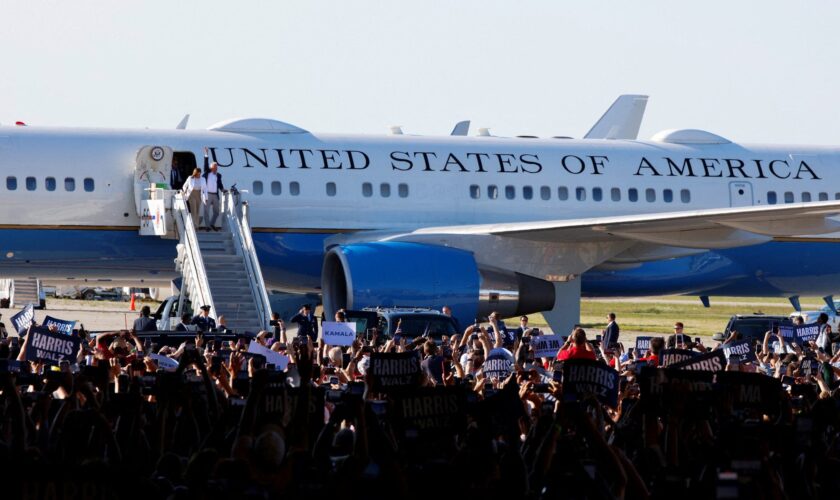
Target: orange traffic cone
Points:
x,y
131,306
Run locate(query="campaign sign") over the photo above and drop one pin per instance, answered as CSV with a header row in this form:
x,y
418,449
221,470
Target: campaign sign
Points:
x,y
63,326
642,345
499,413
164,362
280,361
670,356
394,371
51,347
750,391
546,346
800,334
713,361
338,334
498,365
742,349
584,376
432,409
807,333
23,319
811,366
661,388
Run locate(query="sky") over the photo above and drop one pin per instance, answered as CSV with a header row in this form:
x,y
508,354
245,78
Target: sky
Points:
x,y
752,71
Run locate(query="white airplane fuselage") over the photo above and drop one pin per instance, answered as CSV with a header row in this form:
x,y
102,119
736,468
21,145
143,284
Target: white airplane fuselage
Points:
x,y
303,188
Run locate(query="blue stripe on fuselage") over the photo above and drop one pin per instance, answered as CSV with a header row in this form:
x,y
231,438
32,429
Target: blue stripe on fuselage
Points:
x,y
292,261
288,259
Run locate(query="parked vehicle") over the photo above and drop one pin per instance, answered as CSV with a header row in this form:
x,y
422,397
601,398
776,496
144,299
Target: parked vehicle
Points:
x,y
754,326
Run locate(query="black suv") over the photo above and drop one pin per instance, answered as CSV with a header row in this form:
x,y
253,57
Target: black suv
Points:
x,y
413,322
754,326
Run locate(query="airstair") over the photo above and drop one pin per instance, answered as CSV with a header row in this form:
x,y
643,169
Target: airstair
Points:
x,y
219,269
26,291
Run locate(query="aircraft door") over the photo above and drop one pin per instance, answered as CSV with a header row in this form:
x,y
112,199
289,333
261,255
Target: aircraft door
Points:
x,y
740,194
152,170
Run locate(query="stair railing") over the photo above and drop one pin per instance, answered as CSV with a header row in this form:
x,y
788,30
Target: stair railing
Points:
x,y
244,242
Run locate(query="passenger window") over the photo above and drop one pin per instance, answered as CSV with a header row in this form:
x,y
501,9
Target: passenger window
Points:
x,y
788,197
837,196
650,195
597,194
580,194
294,188
685,196
385,190
89,185
31,184
633,195
615,194
492,192
258,187
475,192
668,196
806,197
823,196
563,193
771,198
69,184
11,183
402,189
331,189
367,189
50,183
545,193
510,192
528,192
276,188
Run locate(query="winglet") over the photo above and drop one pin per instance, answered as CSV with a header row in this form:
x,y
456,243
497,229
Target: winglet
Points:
x,y
461,128
182,125
622,120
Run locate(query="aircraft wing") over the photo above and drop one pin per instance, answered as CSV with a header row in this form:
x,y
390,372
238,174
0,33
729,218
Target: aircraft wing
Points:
x,y
706,229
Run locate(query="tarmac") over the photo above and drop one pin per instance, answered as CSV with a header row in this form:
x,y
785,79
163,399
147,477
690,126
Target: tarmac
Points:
x,y
111,316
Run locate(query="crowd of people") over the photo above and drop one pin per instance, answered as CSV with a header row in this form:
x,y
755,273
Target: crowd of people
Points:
x,y
492,412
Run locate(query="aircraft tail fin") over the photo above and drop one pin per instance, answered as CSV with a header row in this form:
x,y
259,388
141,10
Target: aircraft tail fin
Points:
x,y
183,123
461,128
622,120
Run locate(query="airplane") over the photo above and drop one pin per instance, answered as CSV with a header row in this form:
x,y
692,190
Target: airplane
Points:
x,y
479,223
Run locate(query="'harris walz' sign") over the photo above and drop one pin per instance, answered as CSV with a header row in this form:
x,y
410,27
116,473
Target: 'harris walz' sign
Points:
x,y
433,409
742,349
642,345
394,371
23,319
509,163
670,356
801,334
51,347
584,376
713,361
62,325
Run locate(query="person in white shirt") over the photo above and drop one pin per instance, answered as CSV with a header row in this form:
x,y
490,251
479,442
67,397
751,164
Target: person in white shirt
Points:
x,y
213,180
195,191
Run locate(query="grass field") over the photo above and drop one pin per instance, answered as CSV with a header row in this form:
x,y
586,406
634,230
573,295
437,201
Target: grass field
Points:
x,y
658,314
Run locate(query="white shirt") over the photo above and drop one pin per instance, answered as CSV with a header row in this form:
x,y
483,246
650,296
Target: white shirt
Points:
x,y
212,182
192,184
